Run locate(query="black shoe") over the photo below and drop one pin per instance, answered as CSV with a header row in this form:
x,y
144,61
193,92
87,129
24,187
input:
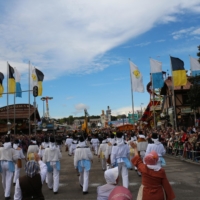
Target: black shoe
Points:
x,y
81,186
51,188
7,198
14,184
55,192
85,192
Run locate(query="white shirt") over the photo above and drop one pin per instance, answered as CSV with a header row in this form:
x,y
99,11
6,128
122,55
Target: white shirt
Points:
x,y
95,141
43,172
157,147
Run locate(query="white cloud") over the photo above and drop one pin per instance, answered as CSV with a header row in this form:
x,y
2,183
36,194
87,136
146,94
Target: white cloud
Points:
x,y
72,36
143,44
70,97
80,108
196,32
186,32
124,110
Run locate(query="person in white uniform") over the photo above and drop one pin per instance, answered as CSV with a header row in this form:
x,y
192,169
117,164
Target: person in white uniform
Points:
x,y
111,177
33,148
7,158
120,157
51,157
95,144
43,146
68,142
101,152
18,164
158,148
82,162
73,145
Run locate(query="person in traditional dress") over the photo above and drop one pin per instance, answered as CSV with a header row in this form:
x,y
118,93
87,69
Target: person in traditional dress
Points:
x,y
73,145
33,148
142,146
95,144
157,147
120,193
109,150
68,142
101,152
29,186
18,164
120,157
111,177
51,157
155,184
7,158
43,146
82,163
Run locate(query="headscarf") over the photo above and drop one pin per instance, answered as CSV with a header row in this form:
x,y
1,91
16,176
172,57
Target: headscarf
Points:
x,y
151,160
31,168
120,193
111,175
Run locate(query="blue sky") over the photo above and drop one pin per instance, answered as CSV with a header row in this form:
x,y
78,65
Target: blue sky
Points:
x,y
83,48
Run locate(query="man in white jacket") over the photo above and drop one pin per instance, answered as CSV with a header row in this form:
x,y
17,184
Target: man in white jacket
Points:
x,y
101,152
120,157
51,157
82,162
7,166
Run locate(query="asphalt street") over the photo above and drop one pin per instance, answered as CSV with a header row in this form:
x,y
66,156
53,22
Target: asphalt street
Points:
x,y
183,176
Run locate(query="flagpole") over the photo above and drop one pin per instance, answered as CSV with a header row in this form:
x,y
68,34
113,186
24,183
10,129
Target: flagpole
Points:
x,y
14,109
174,99
131,93
29,96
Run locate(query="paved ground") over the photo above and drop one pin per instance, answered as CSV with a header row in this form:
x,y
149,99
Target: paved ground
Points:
x,y
183,176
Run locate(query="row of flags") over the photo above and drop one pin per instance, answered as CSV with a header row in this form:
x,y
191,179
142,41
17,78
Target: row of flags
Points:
x,y
178,73
14,77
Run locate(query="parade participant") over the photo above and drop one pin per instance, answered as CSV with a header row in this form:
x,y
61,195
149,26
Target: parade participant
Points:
x,y
155,184
18,164
120,193
82,163
101,152
68,142
33,148
119,157
29,186
109,150
142,146
7,157
95,144
158,148
59,142
73,145
111,177
43,146
51,157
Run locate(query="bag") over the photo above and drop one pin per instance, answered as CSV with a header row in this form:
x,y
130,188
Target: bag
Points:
x,y
19,163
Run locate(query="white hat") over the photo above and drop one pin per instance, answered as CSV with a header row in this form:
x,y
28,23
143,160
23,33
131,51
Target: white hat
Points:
x,y
111,175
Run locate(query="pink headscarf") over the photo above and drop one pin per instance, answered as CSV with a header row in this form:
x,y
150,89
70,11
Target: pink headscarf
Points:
x,y
151,158
120,193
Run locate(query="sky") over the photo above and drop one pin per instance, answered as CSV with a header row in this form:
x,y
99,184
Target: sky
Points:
x,y
83,48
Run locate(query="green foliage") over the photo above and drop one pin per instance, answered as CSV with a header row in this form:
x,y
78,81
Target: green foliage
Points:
x,y
194,92
198,54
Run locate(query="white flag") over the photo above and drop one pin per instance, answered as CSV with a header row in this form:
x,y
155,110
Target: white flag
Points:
x,y
34,80
136,78
195,66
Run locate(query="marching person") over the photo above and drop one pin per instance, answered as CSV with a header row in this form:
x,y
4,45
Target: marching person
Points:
x,y
155,184
43,146
101,152
51,157
7,167
82,163
68,142
158,148
33,148
95,144
73,145
29,186
142,146
18,164
120,157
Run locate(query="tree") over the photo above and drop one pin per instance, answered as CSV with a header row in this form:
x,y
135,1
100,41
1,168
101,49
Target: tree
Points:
x,y
198,54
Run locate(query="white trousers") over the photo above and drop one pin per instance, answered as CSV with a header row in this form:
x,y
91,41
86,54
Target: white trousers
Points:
x,y
16,174
95,147
6,178
84,179
131,157
124,173
53,178
103,163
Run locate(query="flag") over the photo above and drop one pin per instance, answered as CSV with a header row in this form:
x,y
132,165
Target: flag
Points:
x,y
18,85
195,66
37,78
178,72
11,80
136,78
1,84
156,74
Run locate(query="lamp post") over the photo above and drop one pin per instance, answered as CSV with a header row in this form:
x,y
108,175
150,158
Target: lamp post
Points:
x,y
8,127
43,99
